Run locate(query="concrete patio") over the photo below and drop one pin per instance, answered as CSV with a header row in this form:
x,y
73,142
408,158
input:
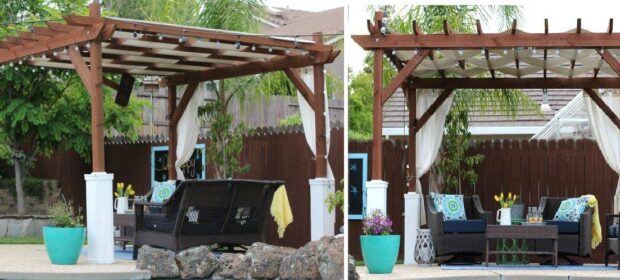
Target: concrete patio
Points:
x,y
29,262
414,272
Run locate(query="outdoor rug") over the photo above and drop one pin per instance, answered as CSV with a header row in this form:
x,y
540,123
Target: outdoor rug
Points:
x,y
119,253
585,267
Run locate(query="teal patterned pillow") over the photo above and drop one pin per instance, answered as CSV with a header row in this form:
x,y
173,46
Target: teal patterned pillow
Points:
x,y
570,209
450,205
162,191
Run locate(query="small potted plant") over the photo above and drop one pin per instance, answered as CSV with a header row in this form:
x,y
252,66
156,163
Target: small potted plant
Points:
x,y
121,201
379,247
65,238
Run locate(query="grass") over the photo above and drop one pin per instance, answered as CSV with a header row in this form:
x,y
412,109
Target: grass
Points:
x,y
21,240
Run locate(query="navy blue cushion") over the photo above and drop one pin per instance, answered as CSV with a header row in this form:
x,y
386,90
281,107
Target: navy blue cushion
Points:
x,y
613,231
565,226
464,226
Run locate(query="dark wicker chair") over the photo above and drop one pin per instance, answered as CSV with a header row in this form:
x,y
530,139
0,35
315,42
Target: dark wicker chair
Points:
x,y
612,243
574,239
202,212
451,241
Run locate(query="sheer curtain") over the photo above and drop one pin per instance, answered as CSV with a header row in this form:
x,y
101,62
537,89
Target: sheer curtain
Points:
x,y
188,129
428,138
606,133
308,122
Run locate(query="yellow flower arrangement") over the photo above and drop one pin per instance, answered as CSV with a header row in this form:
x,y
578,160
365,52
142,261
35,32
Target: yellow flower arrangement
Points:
x,y
508,202
121,191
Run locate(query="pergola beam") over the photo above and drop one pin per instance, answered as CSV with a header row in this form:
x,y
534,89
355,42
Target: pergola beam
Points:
x,y
301,86
488,40
402,75
180,109
250,68
601,104
515,83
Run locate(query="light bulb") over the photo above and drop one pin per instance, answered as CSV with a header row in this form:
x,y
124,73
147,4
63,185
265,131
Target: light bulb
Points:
x,y
505,51
270,49
88,45
460,52
66,50
415,52
55,53
237,45
160,37
253,47
545,107
76,48
20,62
43,56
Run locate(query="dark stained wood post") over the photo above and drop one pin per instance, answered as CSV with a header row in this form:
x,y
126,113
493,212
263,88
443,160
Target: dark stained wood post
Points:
x,y
377,112
96,82
410,94
319,114
172,132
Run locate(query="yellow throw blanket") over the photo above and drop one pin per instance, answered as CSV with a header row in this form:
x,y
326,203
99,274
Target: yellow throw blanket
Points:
x,y
281,210
597,235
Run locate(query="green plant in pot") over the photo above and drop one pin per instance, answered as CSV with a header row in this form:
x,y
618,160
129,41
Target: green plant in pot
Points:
x,y
379,247
65,238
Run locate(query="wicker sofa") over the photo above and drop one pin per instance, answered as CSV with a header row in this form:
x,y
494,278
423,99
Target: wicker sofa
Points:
x,y
459,238
202,212
574,238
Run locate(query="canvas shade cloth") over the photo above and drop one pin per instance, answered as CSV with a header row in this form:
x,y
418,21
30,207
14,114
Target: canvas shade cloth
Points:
x,y
188,129
428,138
606,133
308,121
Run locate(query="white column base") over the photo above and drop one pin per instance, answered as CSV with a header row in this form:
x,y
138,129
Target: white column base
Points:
x,y
99,215
321,221
376,196
412,224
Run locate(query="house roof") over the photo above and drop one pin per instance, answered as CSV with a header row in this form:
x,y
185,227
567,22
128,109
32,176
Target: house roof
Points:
x,y
329,21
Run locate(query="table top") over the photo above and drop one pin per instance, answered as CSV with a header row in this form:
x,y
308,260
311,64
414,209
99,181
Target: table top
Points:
x,y
522,232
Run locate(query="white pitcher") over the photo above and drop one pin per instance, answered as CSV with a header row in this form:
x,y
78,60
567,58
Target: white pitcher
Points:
x,y
121,204
503,217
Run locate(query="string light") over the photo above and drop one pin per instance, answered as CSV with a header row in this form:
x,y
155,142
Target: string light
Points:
x,y
160,37
217,43
237,45
482,51
393,51
557,51
88,45
415,51
182,39
55,53
460,51
43,56
66,50
253,47
270,49
505,51
533,49
11,64
20,62
135,34
76,48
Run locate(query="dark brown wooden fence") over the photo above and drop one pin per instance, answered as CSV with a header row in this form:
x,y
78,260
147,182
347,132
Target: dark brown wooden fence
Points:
x,y
529,168
271,155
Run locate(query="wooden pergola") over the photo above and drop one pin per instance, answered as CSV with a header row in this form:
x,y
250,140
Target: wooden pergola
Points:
x,y
182,55
509,60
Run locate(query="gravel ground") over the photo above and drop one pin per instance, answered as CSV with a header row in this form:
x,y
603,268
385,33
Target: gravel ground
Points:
x,y
402,272
31,262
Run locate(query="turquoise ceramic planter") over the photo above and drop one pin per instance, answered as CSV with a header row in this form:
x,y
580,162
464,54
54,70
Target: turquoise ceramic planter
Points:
x,y
64,245
380,252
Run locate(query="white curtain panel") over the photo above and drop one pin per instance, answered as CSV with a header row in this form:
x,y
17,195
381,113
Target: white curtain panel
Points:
x,y
428,138
308,122
188,129
604,130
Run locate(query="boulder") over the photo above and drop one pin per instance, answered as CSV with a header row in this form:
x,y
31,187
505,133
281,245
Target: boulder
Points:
x,y
351,267
233,266
331,259
196,262
159,262
303,264
265,260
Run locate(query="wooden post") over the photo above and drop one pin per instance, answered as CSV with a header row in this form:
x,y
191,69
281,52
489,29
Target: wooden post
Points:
x,y
377,112
411,145
319,114
96,96
172,132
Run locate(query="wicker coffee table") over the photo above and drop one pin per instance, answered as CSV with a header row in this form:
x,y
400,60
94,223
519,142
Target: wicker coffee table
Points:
x,y
546,232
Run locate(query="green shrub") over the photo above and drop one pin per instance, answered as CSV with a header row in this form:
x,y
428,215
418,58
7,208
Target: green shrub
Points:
x,y
64,214
33,187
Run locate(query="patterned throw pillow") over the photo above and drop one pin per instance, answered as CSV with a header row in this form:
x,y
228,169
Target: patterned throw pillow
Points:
x,y
162,191
450,205
570,209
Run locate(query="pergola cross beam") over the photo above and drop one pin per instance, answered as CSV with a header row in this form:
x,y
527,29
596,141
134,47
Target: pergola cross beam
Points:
x,y
601,104
402,75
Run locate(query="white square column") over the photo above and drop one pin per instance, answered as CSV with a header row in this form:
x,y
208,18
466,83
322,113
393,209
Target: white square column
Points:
x,y
412,224
376,196
100,216
321,221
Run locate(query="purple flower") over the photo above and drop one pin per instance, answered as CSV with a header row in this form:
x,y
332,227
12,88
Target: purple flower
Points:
x,y
377,224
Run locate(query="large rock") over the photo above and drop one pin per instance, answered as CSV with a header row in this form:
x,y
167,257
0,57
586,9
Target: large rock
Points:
x,y
233,266
196,262
303,264
265,260
331,259
352,272
159,262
